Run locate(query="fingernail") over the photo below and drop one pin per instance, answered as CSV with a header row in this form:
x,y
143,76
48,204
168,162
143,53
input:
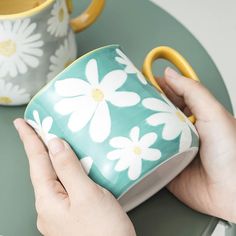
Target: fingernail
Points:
x,y
55,146
172,74
15,123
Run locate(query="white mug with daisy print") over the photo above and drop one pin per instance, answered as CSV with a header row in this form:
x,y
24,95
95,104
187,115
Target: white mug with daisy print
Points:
x,y
129,137
37,41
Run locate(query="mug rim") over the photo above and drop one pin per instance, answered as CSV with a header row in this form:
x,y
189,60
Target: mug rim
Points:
x,y
65,70
27,13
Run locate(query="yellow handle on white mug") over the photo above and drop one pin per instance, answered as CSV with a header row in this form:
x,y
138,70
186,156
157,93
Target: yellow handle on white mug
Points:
x,y
174,57
84,20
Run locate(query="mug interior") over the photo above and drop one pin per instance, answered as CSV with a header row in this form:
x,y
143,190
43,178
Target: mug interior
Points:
x,y
156,180
8,7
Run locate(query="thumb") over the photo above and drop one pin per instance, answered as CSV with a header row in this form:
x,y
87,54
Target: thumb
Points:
x,y
198,99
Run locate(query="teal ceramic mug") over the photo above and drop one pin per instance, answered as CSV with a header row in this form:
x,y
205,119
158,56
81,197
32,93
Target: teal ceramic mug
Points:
x,y
129,137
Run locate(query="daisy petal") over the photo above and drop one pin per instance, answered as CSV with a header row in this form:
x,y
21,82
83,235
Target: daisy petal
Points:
x,y
185,139
151,154
71,87
134,134
33,124
141,78
156,105
124,99
120,60
68,105
193,128
47,124
148,139
87,163
114,155
100,126
120,142
92,72
113,80
122,164
135,168
36,117
84,111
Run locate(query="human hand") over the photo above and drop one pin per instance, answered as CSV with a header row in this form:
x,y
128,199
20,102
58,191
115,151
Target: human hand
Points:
x,y
208,183
67,201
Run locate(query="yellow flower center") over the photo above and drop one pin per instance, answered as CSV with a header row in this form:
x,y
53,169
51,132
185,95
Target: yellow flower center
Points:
x,y
68,63
5,100
61,15
137,150
97,95
7,48
180,116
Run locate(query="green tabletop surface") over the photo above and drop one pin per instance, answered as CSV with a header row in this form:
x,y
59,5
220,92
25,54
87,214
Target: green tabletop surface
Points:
x,y
138,26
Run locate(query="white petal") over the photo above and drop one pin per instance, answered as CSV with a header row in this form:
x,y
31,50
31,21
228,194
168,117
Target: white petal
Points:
x,y
71,87
36,117
124,99
100,126
80,104
166,99
185,139
156,105
47,124
120,60
193,128
151,154
82,115
134,134
120,142
33,124
113,80
157,119
135,168
114,155
49,137
141,78
87,163
122,164
120,53
148,139
92,72
172,129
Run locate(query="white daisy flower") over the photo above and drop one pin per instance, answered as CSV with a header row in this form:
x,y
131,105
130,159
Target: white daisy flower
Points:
x,y
175,122
42,128
87,101
59,21
12,95
20,48
129,66
132,151
87,163
63,57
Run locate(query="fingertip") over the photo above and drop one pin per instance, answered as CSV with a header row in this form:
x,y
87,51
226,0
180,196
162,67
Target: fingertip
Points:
x,y
171,73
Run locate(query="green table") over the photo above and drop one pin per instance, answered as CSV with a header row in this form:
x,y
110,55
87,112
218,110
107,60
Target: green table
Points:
x,y
138,26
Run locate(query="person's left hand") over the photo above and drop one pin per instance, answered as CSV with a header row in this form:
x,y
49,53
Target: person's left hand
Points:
x,y
67,201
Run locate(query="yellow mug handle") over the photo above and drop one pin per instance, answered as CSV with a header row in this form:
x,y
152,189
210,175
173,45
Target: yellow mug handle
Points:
x,y
174,57
84,20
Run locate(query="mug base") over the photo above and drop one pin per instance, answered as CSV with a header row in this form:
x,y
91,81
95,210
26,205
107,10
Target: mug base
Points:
x,y
155,180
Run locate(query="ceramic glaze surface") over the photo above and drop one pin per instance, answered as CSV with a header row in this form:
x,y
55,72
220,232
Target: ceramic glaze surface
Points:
x,y
102,104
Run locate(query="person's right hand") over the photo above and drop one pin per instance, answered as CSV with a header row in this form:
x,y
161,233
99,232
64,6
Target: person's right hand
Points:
x,y
208,184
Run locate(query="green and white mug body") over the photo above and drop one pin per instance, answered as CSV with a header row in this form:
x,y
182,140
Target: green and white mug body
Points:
x,y
37,41
128,136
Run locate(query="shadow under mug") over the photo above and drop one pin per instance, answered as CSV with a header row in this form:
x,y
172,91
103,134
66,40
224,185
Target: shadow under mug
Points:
x,y
128,136
37,42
